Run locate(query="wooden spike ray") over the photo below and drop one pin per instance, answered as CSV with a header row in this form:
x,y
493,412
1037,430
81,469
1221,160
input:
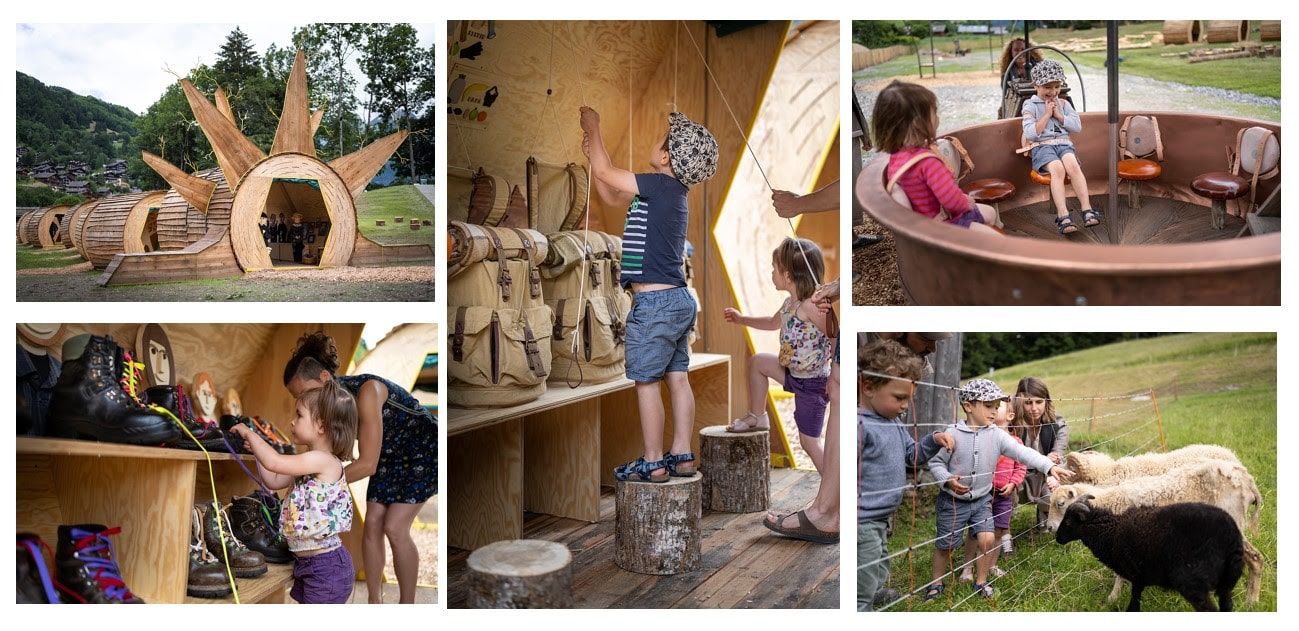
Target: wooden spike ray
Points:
x,y
359,167
316,117
223,105
234,152
296,130
196,191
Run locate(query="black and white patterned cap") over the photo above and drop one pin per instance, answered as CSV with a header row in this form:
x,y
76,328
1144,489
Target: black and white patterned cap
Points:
x,y
981,390
691,149
1046,71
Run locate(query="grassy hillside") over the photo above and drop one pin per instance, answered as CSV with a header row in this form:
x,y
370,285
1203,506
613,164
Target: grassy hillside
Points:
x,y
1218,388
395,201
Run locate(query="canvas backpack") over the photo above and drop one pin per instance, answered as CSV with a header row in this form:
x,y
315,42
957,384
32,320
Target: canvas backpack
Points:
x,y
580,281
500,326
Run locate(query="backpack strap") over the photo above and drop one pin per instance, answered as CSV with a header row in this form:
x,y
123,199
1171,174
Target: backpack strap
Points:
x,y
557,331
530,347
458,340
577,190
534,273
942,215
965,157
503,279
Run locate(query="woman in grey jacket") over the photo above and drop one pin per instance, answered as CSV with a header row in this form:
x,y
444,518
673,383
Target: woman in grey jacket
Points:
x,y
1042,429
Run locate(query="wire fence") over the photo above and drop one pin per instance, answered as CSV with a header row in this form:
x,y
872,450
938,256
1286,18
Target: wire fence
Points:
x,y
1116,424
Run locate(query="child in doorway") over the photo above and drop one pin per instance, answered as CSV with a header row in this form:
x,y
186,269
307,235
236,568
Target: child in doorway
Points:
x,y
1048,120
885,451
1009,475
905,124
319,504
663,311
805,348
966,475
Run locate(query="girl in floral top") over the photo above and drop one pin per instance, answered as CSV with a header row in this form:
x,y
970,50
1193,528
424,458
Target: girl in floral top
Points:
x,y
319,505
806,347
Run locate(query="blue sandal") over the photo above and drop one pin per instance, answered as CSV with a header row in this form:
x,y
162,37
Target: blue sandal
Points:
x,y
984,589
1091,217
934,591
640,471
1066,225
672,460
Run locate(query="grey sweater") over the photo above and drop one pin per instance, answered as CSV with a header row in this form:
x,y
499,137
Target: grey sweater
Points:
x,y
975,460
885,451
1035,107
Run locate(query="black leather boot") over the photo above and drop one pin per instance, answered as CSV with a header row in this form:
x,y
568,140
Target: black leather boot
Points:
x,y
174,400
207,576
87,565
272,436
34,584
243,562
89,402
255,522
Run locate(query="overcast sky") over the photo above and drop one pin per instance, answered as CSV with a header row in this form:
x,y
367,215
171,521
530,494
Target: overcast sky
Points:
x,y
126,64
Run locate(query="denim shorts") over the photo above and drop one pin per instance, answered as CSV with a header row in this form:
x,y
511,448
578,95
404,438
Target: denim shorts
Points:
x,y
326,578
658,333
953,515
1046,154
810,400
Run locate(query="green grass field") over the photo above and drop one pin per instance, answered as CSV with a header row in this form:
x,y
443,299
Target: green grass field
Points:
x,y
396,201
1218,388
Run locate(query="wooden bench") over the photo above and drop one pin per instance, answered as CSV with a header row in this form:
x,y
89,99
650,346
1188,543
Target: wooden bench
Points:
x,y
551,455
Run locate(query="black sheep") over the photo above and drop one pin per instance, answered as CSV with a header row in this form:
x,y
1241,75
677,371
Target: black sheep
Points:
x,y
1191,548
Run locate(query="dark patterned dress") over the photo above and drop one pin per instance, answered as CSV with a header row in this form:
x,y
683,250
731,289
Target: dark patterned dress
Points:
x,y
407,471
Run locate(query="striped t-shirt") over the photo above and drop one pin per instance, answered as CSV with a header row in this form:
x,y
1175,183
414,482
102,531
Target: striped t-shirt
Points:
x,y
654,235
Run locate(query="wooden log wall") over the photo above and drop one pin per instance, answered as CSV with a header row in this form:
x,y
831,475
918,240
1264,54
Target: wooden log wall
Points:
x,y
65,227
248,357
78,227
1181,31
105,230
180,224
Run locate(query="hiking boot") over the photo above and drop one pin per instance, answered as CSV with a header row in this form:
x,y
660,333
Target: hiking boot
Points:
x,y
272,436
255,522
884,596
87,565
207,576
34,583
244,563
174,400
89,402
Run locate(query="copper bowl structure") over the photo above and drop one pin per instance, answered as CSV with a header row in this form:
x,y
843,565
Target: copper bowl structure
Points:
x,y
1163,253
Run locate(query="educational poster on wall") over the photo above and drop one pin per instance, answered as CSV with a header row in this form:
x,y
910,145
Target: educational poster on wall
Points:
x,y
470,93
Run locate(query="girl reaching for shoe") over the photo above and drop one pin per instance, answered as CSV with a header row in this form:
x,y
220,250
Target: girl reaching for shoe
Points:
x,y
319,505
806,347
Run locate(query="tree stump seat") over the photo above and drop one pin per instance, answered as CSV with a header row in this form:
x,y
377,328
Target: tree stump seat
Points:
x,y
656,530
520,574
736,468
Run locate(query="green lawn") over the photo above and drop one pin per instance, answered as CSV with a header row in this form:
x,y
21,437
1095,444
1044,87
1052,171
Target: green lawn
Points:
x,y
29,257
1218,388
396,201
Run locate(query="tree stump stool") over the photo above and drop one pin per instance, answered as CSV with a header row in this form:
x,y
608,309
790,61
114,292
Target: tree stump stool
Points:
x,y
380,222
414,226
736,469
398,219
657,526
520,574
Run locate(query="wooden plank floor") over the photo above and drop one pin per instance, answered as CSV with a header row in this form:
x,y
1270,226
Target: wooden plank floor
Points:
x,y
1159,220
744,565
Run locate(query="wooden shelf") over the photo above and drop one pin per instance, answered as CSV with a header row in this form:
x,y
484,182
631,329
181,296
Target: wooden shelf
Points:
x,y
271,587
72,447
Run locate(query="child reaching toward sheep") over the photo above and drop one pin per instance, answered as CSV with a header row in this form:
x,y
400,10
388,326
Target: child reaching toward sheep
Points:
x,y
967,473
1009,475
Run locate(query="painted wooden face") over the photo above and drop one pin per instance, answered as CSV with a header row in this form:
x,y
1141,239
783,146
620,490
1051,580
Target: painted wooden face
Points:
x,y
206,397
233,406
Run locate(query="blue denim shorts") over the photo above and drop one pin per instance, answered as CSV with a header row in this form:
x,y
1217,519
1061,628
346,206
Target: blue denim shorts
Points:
x,y
1046,154
953,515
658,333
326,578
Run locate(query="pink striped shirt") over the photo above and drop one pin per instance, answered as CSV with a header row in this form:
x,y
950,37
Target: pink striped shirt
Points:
x,y
929,185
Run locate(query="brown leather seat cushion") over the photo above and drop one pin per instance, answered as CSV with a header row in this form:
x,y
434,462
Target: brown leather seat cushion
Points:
x,y
990,190
1044,180
1220,185
1138,169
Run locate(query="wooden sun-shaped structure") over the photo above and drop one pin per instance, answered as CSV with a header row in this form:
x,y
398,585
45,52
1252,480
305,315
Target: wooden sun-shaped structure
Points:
x,y
228,203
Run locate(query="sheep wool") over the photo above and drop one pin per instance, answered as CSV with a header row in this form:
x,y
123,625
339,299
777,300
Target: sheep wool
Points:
x,y
1192,548
1097,468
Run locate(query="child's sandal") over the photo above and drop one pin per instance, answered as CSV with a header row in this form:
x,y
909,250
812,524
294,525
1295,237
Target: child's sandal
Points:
x,y
1065,225
673,462
743,425
639,470
984,589
934,591
1091,217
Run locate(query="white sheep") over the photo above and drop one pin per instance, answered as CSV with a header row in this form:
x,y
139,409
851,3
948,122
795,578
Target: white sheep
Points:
x,y
1097,468
1227,485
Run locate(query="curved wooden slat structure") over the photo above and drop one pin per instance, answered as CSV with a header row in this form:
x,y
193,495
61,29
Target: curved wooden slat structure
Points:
x,y
47,232
259,191
21,227
35,226
65,226
1181,31
1226,31
1269,31
934,259
105,233
180,223
77,227
209,257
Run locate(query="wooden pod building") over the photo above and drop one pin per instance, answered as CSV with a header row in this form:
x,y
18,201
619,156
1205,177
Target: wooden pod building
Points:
x,y
65,225
106,235
77,226
1269,30
180,224
41,228
1226,31
24,237
1181,31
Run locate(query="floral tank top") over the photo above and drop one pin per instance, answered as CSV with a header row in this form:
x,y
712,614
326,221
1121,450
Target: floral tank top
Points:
x,y
804,349
315,512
